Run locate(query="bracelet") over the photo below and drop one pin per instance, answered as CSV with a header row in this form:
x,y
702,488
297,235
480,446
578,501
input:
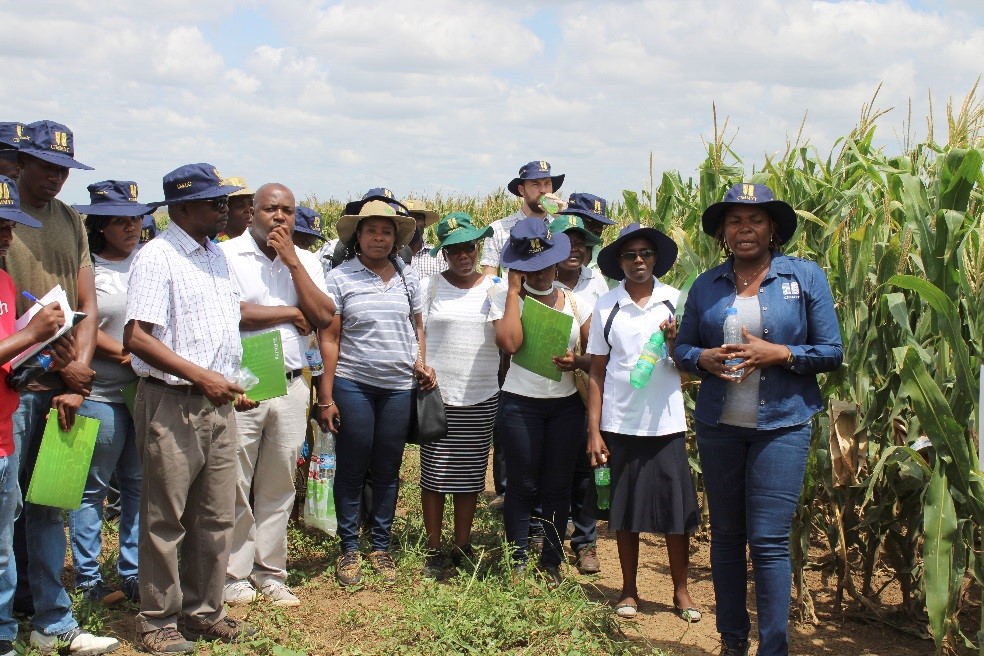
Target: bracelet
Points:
x,y
789,358
326,405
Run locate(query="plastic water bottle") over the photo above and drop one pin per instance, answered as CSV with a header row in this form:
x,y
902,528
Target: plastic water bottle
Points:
x,y
732,335
30,370
548,205
313,356
652,352
603,486
320,506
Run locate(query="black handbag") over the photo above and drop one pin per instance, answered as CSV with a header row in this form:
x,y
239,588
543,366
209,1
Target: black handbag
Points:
x,y
429,422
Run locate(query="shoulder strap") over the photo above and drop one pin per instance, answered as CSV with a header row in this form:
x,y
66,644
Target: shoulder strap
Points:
x,y
569,295
608,323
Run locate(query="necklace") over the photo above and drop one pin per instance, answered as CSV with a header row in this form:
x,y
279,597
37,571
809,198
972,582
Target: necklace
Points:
x,y
747,281
537,292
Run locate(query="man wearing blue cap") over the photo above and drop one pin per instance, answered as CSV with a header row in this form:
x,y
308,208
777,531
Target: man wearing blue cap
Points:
x,y
283,289
533,183
183,331
43,326
307,228
38,260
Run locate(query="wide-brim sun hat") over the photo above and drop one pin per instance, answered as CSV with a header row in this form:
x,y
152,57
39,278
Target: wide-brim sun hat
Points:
x,y
405,224
233,181
666,251
113,198
746,193
419,210
457,228
534,171
190,182
588,206
532,246
52,142
10,205
574,223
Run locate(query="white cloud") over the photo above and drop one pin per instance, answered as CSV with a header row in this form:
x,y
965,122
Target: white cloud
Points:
x,y
457,94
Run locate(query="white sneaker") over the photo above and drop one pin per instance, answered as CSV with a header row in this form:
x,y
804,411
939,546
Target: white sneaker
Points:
x,y
79,643
239,592
279,594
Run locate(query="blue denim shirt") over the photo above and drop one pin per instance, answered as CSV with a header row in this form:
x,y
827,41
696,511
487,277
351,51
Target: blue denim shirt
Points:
x,y
797,311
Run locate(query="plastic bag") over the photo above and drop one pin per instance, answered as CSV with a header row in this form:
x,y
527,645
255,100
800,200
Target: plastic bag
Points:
x,y
319,503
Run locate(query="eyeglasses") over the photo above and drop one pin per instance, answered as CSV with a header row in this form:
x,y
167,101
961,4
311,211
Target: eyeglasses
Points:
x,y
220,204
630,256
458,249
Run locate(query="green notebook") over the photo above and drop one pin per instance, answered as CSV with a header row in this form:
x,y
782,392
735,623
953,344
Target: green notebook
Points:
x,y
546,333
263,354
63,463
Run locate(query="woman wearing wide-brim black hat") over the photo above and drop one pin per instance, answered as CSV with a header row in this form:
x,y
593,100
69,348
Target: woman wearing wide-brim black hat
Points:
x,y
640,431
540,423
754,409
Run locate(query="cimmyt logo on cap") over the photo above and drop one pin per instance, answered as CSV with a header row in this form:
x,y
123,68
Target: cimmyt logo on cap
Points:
x,y
133,193
316,223
61,142
597,207
748,193
544,166
572,222
20,133
535,245
453,225
5,194
387,193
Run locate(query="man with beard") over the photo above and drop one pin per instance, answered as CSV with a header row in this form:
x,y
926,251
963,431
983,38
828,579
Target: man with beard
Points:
x,y
182,326
283,289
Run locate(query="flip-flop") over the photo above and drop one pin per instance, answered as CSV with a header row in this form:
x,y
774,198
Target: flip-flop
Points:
x,y
689,615
626,610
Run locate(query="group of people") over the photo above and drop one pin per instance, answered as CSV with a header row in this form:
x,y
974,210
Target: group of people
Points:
x,y
205,475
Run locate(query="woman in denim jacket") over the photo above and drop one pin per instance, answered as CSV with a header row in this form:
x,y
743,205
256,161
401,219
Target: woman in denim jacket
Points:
x,y
753,419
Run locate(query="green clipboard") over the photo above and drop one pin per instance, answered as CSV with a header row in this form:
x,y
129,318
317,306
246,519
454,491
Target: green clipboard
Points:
x,y
63,463
546,333
263,354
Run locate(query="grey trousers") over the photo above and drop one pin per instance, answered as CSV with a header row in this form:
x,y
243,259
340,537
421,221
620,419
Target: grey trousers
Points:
x,y
188,454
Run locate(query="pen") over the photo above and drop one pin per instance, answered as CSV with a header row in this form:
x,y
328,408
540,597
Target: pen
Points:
x,y
29,296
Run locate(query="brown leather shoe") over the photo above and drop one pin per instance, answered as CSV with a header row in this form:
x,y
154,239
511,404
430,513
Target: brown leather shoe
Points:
x,y
382,562
228,629
348,569
166,641
587,560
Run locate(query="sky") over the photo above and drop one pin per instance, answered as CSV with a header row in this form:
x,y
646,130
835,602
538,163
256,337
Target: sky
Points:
x,y
453,96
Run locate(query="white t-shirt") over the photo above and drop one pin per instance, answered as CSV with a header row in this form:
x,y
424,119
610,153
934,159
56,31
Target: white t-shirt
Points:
x,y
523,381
268,282
657,408
591,286
460,340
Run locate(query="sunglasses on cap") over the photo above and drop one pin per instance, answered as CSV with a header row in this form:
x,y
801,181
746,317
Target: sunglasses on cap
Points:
x,y
630,256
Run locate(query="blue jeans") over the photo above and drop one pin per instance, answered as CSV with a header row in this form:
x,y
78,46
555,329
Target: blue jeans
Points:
x,y
10,505
115,450
585,526
540,439
375,423
753,480
44,527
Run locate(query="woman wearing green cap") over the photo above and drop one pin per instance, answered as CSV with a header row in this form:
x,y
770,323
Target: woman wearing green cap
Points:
x,y
461,348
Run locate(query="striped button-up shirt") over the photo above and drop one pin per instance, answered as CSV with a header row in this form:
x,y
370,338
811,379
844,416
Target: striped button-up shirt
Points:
x,y
185,290
427,265
378,345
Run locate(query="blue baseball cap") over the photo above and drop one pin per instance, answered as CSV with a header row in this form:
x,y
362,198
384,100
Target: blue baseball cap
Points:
x,y
52,142
588,206
746,193
307,222
533,246
114,198
13,134
148,230
194,182
534,171
354,207
666,251
10,204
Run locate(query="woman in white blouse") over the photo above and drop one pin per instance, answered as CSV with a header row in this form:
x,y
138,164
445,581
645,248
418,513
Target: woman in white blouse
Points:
x,y
641,432
461,348
541,419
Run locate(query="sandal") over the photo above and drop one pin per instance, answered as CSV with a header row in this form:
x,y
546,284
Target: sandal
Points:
x,y
626,610
689,615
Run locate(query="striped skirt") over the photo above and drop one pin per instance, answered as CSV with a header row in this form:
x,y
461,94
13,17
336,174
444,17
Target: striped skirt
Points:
x,y
457,463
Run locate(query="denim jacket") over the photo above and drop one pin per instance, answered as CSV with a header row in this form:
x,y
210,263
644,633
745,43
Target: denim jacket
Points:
x,y
797,311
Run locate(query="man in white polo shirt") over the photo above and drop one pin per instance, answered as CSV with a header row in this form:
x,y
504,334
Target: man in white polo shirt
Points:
x,y
283,289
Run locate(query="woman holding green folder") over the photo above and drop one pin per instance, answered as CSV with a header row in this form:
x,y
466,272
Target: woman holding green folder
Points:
x,y
541,417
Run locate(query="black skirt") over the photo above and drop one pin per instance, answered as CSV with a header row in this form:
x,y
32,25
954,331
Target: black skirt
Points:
x,y
652,487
